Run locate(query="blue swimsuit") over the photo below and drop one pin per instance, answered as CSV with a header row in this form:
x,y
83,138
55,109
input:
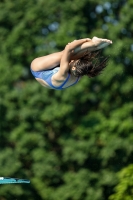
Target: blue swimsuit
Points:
x,y
46,75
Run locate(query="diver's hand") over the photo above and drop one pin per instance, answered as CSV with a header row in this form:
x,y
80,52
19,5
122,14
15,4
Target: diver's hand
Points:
x,y
76,43
80,41
100,42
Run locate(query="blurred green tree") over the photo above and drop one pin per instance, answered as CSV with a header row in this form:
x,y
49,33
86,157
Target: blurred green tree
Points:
x,y
69,143
124,189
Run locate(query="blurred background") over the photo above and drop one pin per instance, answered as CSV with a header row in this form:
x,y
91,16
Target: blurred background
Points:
x,y
74,144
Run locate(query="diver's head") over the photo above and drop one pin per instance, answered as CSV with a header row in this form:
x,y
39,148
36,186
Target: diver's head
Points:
x,y
91,64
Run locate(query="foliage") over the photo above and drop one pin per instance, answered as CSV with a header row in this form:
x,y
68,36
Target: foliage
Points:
x,y
124,189
69,143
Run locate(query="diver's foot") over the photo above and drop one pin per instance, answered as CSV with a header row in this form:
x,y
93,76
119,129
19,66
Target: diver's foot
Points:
x,y
100,42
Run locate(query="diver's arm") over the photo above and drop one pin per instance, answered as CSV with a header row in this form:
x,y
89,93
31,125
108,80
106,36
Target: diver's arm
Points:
x,y
69,53
91,45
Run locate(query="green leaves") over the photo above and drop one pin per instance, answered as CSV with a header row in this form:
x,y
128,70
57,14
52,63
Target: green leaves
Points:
x,y
72,143
123,190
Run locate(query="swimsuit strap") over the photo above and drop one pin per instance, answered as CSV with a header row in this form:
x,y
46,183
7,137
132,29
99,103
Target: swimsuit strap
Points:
x,y
73,83
48,76
60,87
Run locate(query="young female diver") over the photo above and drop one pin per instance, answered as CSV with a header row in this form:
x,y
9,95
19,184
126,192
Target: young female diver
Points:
x,y
63,69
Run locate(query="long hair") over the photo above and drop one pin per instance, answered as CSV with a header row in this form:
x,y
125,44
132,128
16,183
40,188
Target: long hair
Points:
x,y
90,64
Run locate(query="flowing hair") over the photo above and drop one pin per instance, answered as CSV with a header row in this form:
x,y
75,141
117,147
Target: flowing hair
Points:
x,y
90,64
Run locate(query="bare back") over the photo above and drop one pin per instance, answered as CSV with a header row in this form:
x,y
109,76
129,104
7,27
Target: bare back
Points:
x,y
56,82
72,51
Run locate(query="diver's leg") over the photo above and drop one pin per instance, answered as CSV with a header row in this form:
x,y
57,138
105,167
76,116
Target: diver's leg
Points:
x,y
93,45
46,62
